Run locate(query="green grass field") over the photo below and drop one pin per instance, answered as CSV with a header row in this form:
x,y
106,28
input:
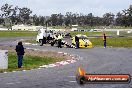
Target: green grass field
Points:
x,y
17,33
94,33
29,62
114,42
30,41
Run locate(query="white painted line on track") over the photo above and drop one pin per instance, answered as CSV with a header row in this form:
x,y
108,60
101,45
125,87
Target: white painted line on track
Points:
x,y
34,44
43,66
72,81
24,70
73,61
60,52
70,55
36,49
63,62
65,53
39,68
18,82
27,43
51,65
9,83
72,76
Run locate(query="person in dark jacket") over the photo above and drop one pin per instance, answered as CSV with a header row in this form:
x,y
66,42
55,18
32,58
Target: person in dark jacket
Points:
x,y
43,41
104,39
48,38
77,41
20,52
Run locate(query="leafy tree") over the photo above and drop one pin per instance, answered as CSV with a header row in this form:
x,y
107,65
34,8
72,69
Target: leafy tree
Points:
x,y
35,20
14,16
68,21
42,20
24,14
7,12
119,20
124,18
108,19
1,20
60,19
54,19
128,15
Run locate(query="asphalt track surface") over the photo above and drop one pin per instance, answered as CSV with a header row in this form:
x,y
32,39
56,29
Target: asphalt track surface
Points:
x,y
95,61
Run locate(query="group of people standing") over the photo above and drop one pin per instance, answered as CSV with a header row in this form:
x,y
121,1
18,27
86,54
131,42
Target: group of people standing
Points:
x,y
45,40
56,38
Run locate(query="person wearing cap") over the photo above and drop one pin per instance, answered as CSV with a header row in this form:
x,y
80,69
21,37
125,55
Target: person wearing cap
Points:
x,y
20,52
104,39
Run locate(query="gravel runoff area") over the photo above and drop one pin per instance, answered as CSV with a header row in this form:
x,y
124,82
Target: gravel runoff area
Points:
x,y
50,59
39,53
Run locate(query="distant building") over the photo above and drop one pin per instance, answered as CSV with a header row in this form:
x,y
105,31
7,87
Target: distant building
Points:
x,y
3,29
74,28
26,27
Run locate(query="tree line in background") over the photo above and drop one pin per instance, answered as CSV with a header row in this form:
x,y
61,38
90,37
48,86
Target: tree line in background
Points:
x,y
13,15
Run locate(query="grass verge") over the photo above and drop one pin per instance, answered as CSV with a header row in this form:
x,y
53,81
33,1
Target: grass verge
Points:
x,y
29,62
93,33
17,33
125,34
114,42
31,41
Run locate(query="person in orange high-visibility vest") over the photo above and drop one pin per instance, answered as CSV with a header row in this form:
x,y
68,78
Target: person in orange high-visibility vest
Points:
x,y
104,39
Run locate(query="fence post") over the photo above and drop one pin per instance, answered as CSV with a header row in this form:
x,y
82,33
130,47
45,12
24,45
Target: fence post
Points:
x,y
3,59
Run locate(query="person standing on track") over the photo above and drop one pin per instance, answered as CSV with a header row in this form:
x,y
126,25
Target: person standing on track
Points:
x,y
48,39
43,41
20,52
104,39
77,42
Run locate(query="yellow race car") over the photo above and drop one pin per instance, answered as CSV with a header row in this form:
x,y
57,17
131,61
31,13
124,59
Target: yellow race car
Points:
x,y
83,41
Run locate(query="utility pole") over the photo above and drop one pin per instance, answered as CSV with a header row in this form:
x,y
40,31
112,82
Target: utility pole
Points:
x,y
46,29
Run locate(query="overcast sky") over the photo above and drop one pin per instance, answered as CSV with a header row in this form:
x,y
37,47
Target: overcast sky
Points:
x,y
48,7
